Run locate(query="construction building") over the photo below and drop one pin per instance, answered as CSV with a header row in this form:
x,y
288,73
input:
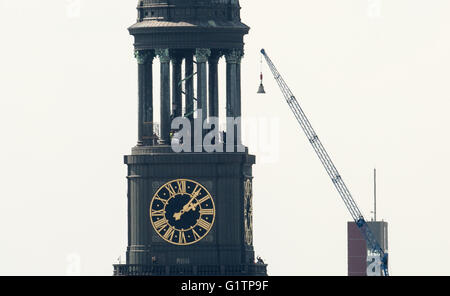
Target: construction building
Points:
x,y
358,259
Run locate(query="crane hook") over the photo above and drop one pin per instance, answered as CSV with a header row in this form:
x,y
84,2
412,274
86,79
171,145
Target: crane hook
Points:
x,y
261,86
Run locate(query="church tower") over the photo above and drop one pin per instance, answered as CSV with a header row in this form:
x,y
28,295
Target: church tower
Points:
x,y
189,211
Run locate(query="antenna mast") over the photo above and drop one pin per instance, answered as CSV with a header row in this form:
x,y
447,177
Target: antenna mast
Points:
x,y
375,194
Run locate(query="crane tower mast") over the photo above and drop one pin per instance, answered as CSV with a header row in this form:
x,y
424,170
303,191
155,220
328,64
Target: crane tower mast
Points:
x,y
372,243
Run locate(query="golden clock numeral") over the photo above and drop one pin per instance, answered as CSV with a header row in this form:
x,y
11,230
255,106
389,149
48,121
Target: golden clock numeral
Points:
x,y
196,235
160,224
196,191
182,238
159,213
181,187
206,211
204,199
169,233
203,224
164,201
171,190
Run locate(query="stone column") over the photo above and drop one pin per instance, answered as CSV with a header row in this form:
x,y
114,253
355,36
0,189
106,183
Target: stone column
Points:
x,y
233,98
189,91
164,58
202,55
145,93
238,131
213,96
176,86
189,86
238,86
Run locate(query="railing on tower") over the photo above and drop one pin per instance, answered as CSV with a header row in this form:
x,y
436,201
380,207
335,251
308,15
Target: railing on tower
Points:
x,y
257,269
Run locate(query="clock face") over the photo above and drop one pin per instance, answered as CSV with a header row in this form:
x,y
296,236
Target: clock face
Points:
x,y
248,211
182,212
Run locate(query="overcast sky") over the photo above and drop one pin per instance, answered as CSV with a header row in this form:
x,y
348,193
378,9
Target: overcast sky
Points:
x,y
373,77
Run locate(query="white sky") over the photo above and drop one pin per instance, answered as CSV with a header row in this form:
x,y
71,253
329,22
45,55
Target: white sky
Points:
x,y
374,83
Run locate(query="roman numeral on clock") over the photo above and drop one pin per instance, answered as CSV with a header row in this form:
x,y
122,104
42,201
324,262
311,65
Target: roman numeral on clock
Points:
x,y
196,235
159,213
204,199
181,238
203,224
171,190
196,191
169,233
160,224
161,200
206,211
181,187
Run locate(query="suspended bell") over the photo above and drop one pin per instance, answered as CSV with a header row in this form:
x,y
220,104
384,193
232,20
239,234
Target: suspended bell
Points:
x,y
261,87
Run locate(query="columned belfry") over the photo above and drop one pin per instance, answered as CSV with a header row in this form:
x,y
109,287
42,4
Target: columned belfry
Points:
x,y
189,213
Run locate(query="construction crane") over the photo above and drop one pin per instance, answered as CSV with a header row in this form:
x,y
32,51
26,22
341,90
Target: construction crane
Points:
x,y
372,243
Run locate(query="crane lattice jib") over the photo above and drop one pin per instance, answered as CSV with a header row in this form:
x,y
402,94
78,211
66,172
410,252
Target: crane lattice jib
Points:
x,y
351,205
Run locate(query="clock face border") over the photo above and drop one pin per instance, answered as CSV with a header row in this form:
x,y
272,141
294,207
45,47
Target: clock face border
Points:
x,y
204,194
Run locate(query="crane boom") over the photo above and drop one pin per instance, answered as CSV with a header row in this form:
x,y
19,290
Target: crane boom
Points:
x,y
372,243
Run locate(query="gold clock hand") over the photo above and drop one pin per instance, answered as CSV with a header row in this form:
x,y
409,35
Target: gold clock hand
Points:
x,y
187,207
